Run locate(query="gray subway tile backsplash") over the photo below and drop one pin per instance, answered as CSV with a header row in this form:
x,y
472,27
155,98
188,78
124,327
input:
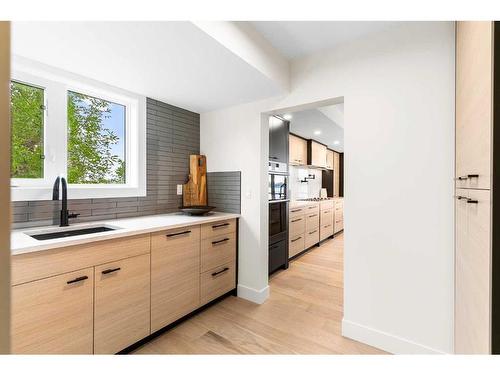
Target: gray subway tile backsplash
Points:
x,y
172,135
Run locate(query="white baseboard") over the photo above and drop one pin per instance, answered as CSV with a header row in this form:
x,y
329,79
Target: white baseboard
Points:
x,y
382,340
253,295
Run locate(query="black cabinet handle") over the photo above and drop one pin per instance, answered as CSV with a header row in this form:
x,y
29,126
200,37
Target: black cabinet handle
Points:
x,y
472,176
220,241
298,238
178,234
110,270
81,278
219,225
314,231
298,210
219,272
274,247
474,201
459,197
313,215
294,221
461,178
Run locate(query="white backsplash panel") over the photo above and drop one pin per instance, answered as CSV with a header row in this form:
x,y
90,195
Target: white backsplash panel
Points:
x,y
309,189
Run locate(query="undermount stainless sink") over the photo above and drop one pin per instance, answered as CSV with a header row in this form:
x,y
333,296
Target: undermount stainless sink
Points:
x,y
69,232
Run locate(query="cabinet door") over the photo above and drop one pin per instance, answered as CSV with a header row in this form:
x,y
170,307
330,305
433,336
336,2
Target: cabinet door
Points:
x,y
472,272
336,174
122,304
317,154
54,315
329,159
474,54
298,150
278,139
175,275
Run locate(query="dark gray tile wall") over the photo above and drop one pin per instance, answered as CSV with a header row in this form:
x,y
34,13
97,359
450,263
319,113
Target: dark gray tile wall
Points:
x,y
172,135
224,191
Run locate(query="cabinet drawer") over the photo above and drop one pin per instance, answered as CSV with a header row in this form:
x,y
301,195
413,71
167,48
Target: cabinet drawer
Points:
x,y
41,264
339,225
54,315
296,211
175,275
327,216
218,228
122,299
312,209
325,231
324,205
312,221
296,245
312,238
218,250
216,282
297,226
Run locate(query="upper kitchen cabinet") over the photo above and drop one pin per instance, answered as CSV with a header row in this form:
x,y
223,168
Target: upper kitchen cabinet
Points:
x,y
298,150
278,139
329,159
474,77
316,155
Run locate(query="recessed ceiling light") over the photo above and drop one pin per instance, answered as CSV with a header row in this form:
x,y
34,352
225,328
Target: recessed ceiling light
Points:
x,y
336,142
287,116
317,132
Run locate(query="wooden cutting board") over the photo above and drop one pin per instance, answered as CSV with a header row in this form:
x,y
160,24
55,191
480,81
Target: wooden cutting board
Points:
x,y
194,192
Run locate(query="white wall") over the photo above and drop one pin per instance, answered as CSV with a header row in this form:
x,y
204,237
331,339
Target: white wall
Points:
x,y
398,88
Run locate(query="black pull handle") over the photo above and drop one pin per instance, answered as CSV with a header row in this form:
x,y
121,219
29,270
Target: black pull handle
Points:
x,y
81,278
110,270
474,201
220,225
314,231
294,221
178,234
472,176
219,272
298,238
300,209
461,178
220,241
459,197
313,215
274,247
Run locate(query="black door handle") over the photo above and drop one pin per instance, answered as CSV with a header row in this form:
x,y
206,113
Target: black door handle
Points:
x,y
472,201
472,176
220,225
219,272
220,241
110,270
178,234
81,278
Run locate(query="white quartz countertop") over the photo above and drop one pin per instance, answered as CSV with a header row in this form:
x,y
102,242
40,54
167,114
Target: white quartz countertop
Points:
x,y
22,243
301,203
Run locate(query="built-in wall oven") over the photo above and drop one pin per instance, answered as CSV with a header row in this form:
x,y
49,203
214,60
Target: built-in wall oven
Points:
x,y
278,215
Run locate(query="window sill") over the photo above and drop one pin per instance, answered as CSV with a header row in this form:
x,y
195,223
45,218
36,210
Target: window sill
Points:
x,y
77,192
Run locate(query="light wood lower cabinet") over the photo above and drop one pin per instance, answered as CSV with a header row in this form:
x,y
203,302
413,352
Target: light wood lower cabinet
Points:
x,y
175,275
311,238
54,315
122,303
217,282
296,245
472,276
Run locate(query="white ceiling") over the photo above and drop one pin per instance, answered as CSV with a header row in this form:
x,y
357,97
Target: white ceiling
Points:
x,y
305,123
174,62
300,38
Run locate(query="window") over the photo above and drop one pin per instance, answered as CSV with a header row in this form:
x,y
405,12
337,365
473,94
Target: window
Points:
x,y
96,146
27,130
67,125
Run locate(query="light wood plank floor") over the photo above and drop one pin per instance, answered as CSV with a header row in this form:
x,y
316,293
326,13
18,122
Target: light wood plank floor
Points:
x,y
302,315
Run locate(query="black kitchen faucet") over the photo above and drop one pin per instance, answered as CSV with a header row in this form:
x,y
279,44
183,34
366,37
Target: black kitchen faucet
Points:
x,y
65,215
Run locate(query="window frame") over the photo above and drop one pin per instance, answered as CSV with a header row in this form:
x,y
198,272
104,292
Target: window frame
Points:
x,y
56,84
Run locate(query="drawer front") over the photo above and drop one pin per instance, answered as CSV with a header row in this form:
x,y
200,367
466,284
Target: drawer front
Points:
x,y
324,205
122,301
312,238
218,250
278,255
218,228
296,245
297,226
325,231
339,203
312,209
339,225
38,265
296,211
54,315
326,216
175,275
312,221
216,282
